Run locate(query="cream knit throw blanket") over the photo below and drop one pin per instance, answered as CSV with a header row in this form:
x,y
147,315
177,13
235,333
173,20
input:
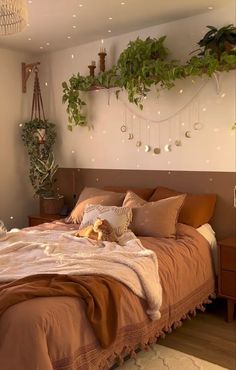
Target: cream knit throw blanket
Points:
x,y
38,252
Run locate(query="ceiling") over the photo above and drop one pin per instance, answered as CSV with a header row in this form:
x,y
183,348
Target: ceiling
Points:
x,y
58,24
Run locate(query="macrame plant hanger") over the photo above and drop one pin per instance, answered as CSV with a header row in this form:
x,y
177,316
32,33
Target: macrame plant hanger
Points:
x,y
37,103
37,111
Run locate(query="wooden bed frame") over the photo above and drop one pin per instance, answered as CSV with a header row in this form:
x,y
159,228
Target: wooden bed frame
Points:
x,y
70,182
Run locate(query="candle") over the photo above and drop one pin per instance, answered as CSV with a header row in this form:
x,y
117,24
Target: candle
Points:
x,y
102,49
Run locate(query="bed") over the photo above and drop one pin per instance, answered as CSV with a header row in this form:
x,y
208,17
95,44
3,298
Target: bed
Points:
x,y
53,333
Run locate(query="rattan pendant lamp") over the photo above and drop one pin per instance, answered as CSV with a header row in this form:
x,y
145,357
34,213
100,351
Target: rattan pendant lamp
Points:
x,y
13,16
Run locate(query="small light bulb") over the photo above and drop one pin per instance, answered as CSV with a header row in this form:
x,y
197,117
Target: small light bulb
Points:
x,y
41,47
11,217
134,116
109,31
181,91
210,8
29,39
110,18
74,15
20,125
69,37
46,84
72,56
159,112
74,26
48,43
73,152
223,95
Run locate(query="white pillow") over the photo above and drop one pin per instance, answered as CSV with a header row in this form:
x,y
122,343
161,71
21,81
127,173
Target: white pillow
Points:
x,y
118,217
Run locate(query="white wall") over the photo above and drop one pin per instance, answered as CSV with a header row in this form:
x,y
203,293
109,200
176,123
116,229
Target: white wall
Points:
x,y
211,149
16,196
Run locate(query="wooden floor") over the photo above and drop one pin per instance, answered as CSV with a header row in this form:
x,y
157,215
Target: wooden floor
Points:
x,y
207,336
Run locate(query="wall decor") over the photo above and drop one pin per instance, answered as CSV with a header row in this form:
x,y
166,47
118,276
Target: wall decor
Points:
x,y
143,64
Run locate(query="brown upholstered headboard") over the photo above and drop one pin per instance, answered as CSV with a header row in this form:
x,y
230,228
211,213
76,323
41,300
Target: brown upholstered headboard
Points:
x,y
71,181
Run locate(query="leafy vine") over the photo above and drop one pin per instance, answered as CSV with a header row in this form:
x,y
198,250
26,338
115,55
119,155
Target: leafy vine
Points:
x,y
143,64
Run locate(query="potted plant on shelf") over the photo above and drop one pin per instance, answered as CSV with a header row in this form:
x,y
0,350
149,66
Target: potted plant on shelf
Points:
x,y
217,41
51,201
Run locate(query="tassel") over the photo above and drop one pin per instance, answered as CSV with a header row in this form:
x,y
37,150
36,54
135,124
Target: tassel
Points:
x,y
133,354
162,335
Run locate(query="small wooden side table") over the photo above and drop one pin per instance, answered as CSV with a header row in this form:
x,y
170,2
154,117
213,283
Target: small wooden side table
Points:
x,y
42,218
227,273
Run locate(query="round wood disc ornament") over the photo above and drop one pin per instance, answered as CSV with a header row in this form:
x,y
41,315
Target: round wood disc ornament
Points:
x,y
123,128
138,143
131,136
147,148
157,150
178,142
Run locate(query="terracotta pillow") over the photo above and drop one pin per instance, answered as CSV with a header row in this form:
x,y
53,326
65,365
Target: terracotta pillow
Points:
x,y
93,196
197,210
144,193
157,219
118,217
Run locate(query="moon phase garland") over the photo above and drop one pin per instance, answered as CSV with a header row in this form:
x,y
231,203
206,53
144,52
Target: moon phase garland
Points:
x,y
191,108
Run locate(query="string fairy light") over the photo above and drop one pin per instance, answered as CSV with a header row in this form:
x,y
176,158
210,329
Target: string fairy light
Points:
x,y
170,116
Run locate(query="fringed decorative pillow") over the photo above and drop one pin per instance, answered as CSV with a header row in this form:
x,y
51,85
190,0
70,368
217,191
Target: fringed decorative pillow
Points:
x,y
118,217
93,196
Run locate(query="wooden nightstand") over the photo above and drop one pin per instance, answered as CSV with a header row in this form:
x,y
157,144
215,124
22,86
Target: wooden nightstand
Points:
x,y
41,219
227,273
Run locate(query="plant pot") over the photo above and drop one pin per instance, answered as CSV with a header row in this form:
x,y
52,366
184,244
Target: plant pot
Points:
x,y
52,206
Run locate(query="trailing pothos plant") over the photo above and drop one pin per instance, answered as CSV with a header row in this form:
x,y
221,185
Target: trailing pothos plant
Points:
x,y
142,65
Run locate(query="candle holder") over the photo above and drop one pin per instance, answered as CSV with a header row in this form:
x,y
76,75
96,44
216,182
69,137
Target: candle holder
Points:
x,y
102,56
92,68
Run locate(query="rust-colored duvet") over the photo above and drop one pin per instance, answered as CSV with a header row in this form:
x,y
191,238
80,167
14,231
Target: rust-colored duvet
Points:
x,y
54,333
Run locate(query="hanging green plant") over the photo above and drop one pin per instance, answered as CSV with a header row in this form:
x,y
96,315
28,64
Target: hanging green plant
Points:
x,y
39,137
142,65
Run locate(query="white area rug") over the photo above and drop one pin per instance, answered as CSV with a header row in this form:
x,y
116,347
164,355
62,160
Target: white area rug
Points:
x,y
164,358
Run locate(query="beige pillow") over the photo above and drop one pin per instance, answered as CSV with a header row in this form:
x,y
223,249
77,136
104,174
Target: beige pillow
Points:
x,y
93,196
118,217
157,219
